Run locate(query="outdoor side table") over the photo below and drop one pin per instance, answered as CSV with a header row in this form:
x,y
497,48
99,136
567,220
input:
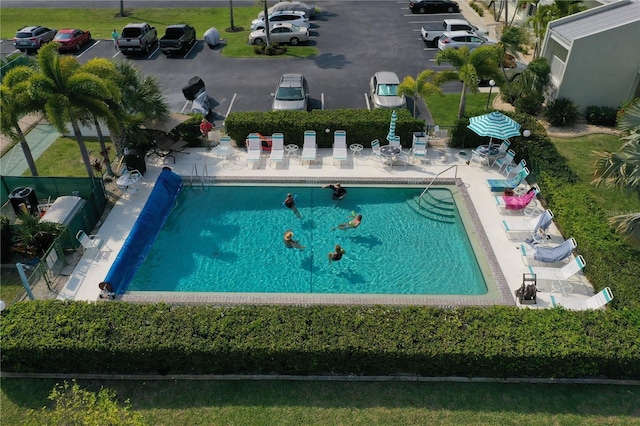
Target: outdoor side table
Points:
x,y
356,150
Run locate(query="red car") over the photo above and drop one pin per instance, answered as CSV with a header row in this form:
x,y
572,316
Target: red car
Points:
x,y
72,39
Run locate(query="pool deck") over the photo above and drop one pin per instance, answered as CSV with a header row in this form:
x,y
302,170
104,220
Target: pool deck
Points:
x,y
503,255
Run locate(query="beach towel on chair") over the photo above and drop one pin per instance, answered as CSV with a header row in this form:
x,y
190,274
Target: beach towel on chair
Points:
x,y
499,185
518,202
554,254
540,231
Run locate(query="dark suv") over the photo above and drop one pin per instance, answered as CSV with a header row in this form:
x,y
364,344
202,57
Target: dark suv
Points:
x,y
433,6
32,38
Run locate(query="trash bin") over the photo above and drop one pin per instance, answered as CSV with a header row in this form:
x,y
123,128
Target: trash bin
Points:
x,y
135,161
193,87
26,196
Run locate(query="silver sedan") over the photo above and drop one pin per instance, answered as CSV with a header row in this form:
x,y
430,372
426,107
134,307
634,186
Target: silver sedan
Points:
x,y
281,33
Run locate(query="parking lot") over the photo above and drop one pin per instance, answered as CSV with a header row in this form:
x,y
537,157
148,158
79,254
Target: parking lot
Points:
x,y
354,40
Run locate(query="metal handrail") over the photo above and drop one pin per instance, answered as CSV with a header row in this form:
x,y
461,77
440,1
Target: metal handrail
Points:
x,y
433,180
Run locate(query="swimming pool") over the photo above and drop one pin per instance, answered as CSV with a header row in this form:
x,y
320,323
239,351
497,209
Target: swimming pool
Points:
x,y
229,238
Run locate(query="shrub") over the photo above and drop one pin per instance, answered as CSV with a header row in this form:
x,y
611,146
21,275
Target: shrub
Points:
x,y
605,116
478,8
561,112
529,103
272,50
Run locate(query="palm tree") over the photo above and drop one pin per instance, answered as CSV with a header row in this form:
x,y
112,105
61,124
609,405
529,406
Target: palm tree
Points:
x,y
141,100
427,83
465,63
15,102
622,170
67,91
550,12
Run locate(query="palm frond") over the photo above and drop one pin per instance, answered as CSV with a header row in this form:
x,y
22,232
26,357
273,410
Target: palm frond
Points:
x,y
628,225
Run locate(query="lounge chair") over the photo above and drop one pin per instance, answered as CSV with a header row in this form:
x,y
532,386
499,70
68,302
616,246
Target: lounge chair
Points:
x,y
340,146
559,276
502,162
419,149
254,149
514,169
529,225
309,147
90,242
277,149
164,146
549,254
517,202
499,185
596,301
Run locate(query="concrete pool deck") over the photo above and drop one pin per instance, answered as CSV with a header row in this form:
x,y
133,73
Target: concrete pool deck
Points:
x,y
502,254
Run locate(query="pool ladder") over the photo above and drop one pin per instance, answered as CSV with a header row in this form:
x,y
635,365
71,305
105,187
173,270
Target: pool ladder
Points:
x,y
195,177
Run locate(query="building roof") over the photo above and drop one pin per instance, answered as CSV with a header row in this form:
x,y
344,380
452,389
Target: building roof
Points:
x,y
595,20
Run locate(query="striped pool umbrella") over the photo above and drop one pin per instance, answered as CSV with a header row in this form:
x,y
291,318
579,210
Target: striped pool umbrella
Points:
x,y
392,127
495,125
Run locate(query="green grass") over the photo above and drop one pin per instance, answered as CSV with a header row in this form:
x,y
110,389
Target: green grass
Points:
x,y
444,109
578,152
348,403
101,23
10,285
63,158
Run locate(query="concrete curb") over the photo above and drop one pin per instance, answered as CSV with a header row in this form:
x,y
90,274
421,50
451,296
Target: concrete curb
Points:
x,y
318,378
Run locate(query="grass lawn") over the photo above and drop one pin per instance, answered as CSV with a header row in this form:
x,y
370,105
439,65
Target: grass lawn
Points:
x,y
101,23
348,403
10,285
444,109
578,152
50,163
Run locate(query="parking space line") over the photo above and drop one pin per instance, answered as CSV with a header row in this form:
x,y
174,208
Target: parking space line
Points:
x,y
89,48
233,99
185,106
153,53
116,54
192,47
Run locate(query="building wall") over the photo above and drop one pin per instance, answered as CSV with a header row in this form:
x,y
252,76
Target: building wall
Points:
x,y
600,69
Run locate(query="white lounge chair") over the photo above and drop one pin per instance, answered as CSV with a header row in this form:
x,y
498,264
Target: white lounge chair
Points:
x,y
277,149
559,276
527,225
309,147
419,148
525,202
596,301
254,149
548,254
503,162
499,185
340,146
90,242
223,149
514,169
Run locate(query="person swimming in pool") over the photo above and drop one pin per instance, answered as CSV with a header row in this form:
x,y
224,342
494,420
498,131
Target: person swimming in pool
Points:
x,y
338,191
290,203
353,223
336,254
289,242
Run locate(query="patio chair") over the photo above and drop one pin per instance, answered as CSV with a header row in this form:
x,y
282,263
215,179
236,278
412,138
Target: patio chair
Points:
x,y
514,169
375,150
499,185
548,254
340,146
223,149
502,162
529,225
596,301
90,242
419,149
559,276
128,182
254,149
277,149
518,202
309,147
164,146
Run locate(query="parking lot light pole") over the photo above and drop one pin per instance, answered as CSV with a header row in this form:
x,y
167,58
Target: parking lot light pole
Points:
x,y
266,24
491,84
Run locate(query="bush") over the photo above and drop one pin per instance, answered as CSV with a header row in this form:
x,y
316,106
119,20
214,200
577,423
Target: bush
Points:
x,y
605,116
561,112
272,50
529,103
478,8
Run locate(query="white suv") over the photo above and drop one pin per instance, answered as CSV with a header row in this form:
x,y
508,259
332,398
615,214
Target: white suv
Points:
x,y
457,39
289,16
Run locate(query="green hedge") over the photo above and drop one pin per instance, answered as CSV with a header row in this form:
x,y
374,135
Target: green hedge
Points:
x,y
361,125
78,337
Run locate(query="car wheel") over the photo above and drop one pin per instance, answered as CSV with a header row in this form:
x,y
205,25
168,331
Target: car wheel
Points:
x,y
258,41
422,10
294,41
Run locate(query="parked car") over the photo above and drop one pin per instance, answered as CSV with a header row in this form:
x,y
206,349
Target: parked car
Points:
x,y
433,6
432,31
293,17
309,10
137,38
177,39
383,90
281,33
32,38
292,93
457,39
72,39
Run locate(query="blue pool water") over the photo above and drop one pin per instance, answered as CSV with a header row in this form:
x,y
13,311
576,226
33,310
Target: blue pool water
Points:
x,y
230,239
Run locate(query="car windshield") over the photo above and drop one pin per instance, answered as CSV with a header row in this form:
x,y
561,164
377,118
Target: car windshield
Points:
x,y
387,90
23,35
289,94
63,37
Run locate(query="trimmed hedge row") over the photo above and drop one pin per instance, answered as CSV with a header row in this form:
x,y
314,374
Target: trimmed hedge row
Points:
x,y
78,337
367,125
